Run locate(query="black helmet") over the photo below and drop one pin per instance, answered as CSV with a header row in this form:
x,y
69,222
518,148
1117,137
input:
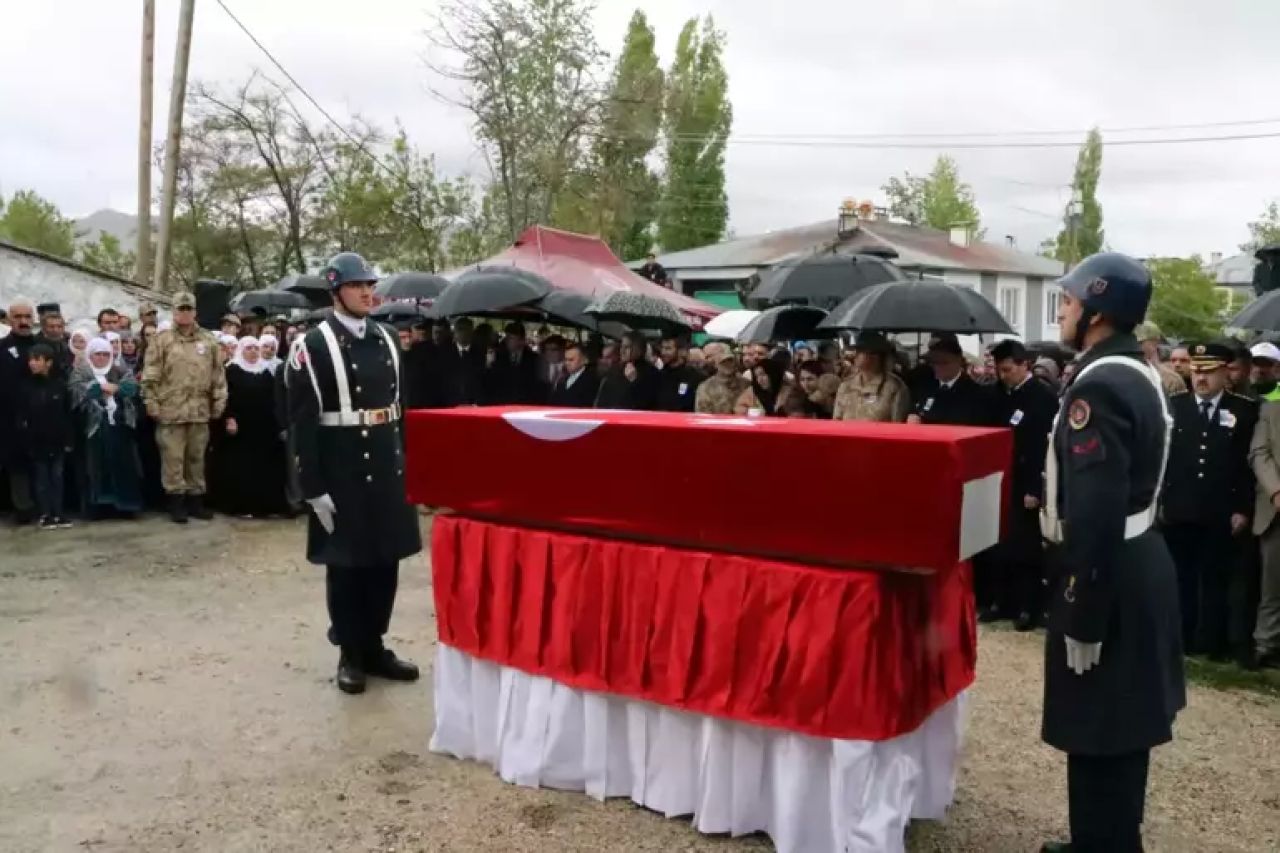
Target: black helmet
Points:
x,y
346,267
1112,284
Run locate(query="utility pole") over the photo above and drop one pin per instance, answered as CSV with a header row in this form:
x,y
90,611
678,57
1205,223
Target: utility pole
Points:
x,y
173,141
142,271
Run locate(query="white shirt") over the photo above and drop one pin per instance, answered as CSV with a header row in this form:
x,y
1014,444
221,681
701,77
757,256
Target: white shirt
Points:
x,y
1213,402
355,326
573,377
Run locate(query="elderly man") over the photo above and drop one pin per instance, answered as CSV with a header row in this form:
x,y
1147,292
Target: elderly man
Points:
x,y
1208,496
15,349
1148,335
184,387
53,331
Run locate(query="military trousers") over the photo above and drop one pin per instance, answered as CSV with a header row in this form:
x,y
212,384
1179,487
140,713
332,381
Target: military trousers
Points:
x,y
1107,796
1207,557
182,448
360,602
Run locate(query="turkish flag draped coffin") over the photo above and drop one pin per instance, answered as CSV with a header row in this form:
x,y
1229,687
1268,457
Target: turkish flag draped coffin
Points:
x,y
844,494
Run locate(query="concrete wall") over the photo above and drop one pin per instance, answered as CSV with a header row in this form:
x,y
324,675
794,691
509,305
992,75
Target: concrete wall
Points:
x,y
80,291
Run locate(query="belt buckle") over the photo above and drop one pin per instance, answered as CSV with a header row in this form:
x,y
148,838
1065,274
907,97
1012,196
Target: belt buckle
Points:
x,y
378,417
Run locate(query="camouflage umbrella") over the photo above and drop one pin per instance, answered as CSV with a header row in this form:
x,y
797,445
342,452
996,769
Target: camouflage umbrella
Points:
x,y
639,311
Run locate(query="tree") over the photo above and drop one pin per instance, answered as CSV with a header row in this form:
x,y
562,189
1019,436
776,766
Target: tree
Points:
x,y
528,74
1082,234
35,223
697,118
1185,303
615,194
939,200
108,255
1264,231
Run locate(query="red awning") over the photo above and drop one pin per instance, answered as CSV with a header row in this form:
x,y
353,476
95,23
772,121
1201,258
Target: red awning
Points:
x,y
586,265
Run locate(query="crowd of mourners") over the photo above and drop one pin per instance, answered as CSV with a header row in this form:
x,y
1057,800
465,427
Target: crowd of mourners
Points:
x,y
113,417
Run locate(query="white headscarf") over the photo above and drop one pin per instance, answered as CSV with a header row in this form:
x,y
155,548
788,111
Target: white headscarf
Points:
x,y
269,340
102,345
249,366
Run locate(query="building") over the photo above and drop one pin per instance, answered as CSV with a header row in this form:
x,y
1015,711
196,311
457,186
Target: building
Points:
x,y
81,291
1233,277
1018,283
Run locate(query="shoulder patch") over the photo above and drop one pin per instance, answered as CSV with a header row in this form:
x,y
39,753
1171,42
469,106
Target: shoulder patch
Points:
x,y
1078,414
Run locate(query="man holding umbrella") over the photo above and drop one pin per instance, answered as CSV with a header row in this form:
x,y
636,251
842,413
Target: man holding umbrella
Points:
x,y
1113,656
344,410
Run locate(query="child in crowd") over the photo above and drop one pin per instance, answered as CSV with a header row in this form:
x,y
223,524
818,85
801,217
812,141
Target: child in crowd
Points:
x,y
45,434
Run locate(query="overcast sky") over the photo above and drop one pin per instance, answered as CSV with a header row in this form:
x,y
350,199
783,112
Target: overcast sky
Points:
x,y
800,68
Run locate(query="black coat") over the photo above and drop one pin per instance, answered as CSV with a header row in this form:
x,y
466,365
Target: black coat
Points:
x,y
460,375
1209,477
1028,410
515,381
965,403
678,388
618,392
14,372
360,467
1121,592
44,427
581,395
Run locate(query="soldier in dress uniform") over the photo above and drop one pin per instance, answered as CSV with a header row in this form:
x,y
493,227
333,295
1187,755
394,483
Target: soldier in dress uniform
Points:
x,y
345,391
1208,495
1113,656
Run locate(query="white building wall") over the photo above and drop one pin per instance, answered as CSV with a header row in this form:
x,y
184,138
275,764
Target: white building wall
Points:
x,y
1011,299
80,292
1049,322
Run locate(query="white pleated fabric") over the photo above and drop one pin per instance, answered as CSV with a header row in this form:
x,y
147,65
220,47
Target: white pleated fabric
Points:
x,y
811,795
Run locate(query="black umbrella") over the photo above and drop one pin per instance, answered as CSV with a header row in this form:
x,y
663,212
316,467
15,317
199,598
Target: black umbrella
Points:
x,y
822,280
491,289
411,285
785,323
637,310
267,301
392,311
313,287
918,306
1261,315
319,315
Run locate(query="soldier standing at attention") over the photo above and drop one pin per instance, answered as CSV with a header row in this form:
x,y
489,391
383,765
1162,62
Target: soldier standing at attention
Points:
x,y
184,387
1113,655
344,411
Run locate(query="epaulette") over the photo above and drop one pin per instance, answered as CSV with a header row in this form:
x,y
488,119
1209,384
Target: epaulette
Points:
x,y
1240,396
1184,392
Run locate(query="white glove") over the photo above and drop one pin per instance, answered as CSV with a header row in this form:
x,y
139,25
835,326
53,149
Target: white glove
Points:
x,y
325,511
1082,657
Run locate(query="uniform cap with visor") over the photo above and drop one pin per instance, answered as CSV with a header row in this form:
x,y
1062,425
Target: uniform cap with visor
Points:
x,y
1208,357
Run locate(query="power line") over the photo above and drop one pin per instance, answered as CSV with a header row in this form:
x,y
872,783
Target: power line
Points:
x,y
814,142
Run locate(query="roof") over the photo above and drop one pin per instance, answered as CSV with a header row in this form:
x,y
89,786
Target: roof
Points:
x,y
1235,271
131,287
917,247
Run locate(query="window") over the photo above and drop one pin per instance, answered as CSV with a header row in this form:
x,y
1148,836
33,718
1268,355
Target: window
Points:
x,y
1052,297
1010,305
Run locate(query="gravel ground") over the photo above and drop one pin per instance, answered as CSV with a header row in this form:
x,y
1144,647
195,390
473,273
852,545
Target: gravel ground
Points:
x,y
169,688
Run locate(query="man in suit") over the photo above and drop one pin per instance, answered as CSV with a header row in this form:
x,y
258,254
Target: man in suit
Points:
x,y
462,366
1264,456
633,382
952,397
677,381
551,359
578,383
513,374
1027,407
1208,496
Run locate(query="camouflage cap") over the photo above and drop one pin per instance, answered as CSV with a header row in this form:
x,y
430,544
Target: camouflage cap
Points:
x,y
1147,332
145,309
184,299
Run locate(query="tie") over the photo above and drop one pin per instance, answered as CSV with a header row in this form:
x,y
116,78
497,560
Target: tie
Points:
x,y
1206,407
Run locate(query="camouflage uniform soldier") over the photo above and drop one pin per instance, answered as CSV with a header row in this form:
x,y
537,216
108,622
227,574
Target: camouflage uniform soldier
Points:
x,y
184,387
874,392
1148,335
719,394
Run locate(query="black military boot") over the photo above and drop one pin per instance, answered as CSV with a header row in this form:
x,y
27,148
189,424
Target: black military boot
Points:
x,y
178,508
351,678
384,664
195,505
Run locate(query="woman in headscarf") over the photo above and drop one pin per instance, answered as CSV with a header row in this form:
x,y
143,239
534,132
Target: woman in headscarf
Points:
x,y
113,338
229,346
270,349
768,392
105,397
79,344
129,355
251,454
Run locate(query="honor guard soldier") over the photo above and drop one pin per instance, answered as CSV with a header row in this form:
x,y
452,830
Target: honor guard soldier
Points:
x,y
344,410
1208,496
1113,656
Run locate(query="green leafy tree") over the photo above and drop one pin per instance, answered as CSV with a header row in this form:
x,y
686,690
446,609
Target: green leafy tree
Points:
x,y
1185,303
109,256
1082,234
1265,230
694,209
937,200
34,222
527,70
616,193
